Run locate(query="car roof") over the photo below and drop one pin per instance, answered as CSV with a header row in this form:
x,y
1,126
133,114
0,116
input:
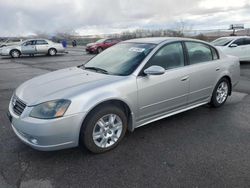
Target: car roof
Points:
x,y
234,37
158,40
36,39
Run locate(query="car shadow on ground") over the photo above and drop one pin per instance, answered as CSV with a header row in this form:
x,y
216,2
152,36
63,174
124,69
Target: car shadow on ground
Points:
x,y
30,57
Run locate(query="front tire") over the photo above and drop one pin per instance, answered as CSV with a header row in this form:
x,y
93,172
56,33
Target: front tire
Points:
x,y
15,53
99,50
103,129
220,93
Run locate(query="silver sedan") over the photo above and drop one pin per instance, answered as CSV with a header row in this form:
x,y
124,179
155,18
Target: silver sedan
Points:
x,y
127,86
31,47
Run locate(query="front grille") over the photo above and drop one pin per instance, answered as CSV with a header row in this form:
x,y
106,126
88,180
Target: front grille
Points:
x,y
18,105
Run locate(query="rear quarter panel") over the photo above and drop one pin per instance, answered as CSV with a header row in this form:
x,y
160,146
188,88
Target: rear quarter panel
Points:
x,y
58,47
230,66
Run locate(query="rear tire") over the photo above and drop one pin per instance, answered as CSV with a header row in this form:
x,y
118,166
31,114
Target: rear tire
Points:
x,y
52,52
15,53
98,133
220,93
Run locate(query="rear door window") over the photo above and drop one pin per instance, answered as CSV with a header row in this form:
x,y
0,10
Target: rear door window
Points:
x,y
41,42
198,52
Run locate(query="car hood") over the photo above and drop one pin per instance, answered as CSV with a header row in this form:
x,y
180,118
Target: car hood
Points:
x,y
61,84
91,44
221,47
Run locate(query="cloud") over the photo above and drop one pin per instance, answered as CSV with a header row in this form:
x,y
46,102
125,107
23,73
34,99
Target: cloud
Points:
x,y
104,16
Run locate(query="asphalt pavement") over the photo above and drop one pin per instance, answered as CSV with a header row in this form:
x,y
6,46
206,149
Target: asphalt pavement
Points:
x,y
203,147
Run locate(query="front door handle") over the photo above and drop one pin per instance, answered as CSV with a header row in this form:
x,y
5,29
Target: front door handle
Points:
x,y
185,78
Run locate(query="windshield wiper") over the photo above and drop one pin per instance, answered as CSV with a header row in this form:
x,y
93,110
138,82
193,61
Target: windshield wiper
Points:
x,y
97,69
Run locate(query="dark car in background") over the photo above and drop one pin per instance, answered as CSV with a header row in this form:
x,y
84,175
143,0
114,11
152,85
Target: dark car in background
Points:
x,y
100,45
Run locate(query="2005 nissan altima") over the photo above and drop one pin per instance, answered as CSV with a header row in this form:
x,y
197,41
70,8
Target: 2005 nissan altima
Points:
x,y
127,86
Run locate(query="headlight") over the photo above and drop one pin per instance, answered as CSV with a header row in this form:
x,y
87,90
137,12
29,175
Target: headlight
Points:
x,y
50,109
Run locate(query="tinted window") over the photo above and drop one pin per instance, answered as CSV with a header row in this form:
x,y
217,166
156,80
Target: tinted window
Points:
x,y
41,42
14,40
247,41
31,42
108,41
239,42
215,53
168,57
198,52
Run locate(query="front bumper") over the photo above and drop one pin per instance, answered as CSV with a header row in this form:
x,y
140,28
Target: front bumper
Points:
x,y
91,50
47,135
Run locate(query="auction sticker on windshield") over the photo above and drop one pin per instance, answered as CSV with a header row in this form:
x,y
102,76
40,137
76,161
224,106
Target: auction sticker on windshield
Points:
x,y
134,49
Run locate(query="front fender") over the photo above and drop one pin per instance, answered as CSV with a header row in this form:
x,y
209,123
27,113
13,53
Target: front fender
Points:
x,y
88,101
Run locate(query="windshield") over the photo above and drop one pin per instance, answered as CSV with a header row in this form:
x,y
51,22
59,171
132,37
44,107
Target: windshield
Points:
x,y
121,59
221,42
100,41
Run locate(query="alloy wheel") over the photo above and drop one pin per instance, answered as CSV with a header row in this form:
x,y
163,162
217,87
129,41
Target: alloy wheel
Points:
x,y
107,130
222,92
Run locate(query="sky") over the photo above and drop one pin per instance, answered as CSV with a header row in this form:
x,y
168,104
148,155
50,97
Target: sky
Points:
x,y
90,17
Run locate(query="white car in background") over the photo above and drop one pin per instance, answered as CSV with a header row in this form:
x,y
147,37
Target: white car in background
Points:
x,y
237,46
31,47
10,42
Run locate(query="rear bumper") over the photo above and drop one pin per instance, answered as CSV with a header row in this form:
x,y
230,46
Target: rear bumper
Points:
x,y
4,52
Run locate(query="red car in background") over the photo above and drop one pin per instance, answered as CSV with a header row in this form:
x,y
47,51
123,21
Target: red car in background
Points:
x,y
101,45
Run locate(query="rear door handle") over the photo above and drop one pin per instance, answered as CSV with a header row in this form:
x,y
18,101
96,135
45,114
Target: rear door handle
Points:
x,y
217,69
185,78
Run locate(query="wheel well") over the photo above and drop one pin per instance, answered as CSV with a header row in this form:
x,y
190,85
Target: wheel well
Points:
x,y
230,83
117,103
15,50
51,49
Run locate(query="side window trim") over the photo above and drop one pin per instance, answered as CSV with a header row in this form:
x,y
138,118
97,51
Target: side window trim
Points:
x,y
186,56
216,51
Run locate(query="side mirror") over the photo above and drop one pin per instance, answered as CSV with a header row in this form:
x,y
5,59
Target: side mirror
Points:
x,y
233,45
154,70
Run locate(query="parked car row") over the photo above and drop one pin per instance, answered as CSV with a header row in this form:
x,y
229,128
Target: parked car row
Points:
x,y
238,46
